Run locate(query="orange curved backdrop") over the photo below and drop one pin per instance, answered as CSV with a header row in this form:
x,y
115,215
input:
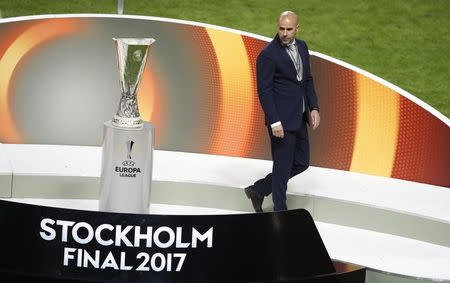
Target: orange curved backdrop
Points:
x,y
200,93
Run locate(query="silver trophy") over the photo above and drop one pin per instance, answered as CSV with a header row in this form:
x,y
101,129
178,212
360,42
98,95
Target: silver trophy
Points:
x,y
127,153
131,58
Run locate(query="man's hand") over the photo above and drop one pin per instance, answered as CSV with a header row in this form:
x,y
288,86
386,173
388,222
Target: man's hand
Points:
x,y
278,131
315,119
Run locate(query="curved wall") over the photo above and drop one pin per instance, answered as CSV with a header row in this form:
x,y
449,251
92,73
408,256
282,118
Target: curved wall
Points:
x,y
59,83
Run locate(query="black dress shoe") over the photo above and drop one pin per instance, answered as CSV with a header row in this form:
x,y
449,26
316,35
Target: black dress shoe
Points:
x,y
256,200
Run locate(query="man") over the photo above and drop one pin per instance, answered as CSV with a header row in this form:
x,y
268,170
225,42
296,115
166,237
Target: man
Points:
x,y
287,96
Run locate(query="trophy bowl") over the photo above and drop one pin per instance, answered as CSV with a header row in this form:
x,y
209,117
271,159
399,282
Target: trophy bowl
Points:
x,y
131,58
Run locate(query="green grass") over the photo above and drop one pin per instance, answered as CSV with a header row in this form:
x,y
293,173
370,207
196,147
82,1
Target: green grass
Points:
x,y
405,42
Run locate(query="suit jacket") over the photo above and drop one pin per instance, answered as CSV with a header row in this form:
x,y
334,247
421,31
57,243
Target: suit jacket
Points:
x,y
280,93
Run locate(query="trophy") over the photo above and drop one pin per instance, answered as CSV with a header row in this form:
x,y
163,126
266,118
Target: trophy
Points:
x,y
127,150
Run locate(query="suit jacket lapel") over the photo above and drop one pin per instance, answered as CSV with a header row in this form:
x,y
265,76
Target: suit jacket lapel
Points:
x,y
301,51
288,61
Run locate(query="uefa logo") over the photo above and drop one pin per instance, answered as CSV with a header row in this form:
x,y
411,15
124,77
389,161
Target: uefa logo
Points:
x,y
129,147
128,169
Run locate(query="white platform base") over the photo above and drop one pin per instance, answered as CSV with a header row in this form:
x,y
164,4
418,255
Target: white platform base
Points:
x,y
406,225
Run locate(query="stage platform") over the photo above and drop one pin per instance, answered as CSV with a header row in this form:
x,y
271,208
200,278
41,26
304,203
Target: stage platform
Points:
x,y
399,230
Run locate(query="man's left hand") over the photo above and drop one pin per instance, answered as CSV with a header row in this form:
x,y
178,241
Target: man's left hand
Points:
x,y
315,119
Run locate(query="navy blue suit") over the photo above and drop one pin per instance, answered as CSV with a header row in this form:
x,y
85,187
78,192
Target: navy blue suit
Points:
x,y
281,96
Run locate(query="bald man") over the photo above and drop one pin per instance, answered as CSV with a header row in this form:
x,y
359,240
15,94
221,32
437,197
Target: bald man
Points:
x,y
288,99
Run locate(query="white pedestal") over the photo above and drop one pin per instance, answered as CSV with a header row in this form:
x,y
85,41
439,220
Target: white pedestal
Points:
x,y
126,174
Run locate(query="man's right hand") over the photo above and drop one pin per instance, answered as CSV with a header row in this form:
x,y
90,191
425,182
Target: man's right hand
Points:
x,y
278,131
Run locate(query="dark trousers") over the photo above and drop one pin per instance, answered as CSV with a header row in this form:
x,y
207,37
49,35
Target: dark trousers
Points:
x,y
290,157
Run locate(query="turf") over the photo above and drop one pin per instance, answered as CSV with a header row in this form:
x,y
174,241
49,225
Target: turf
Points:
x,y
405,42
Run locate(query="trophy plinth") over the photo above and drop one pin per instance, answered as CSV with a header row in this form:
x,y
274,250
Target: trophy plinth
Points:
x,y
127,151
127,161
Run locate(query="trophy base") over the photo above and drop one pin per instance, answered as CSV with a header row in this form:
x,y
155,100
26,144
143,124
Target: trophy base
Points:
x,y
127,163
127,122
